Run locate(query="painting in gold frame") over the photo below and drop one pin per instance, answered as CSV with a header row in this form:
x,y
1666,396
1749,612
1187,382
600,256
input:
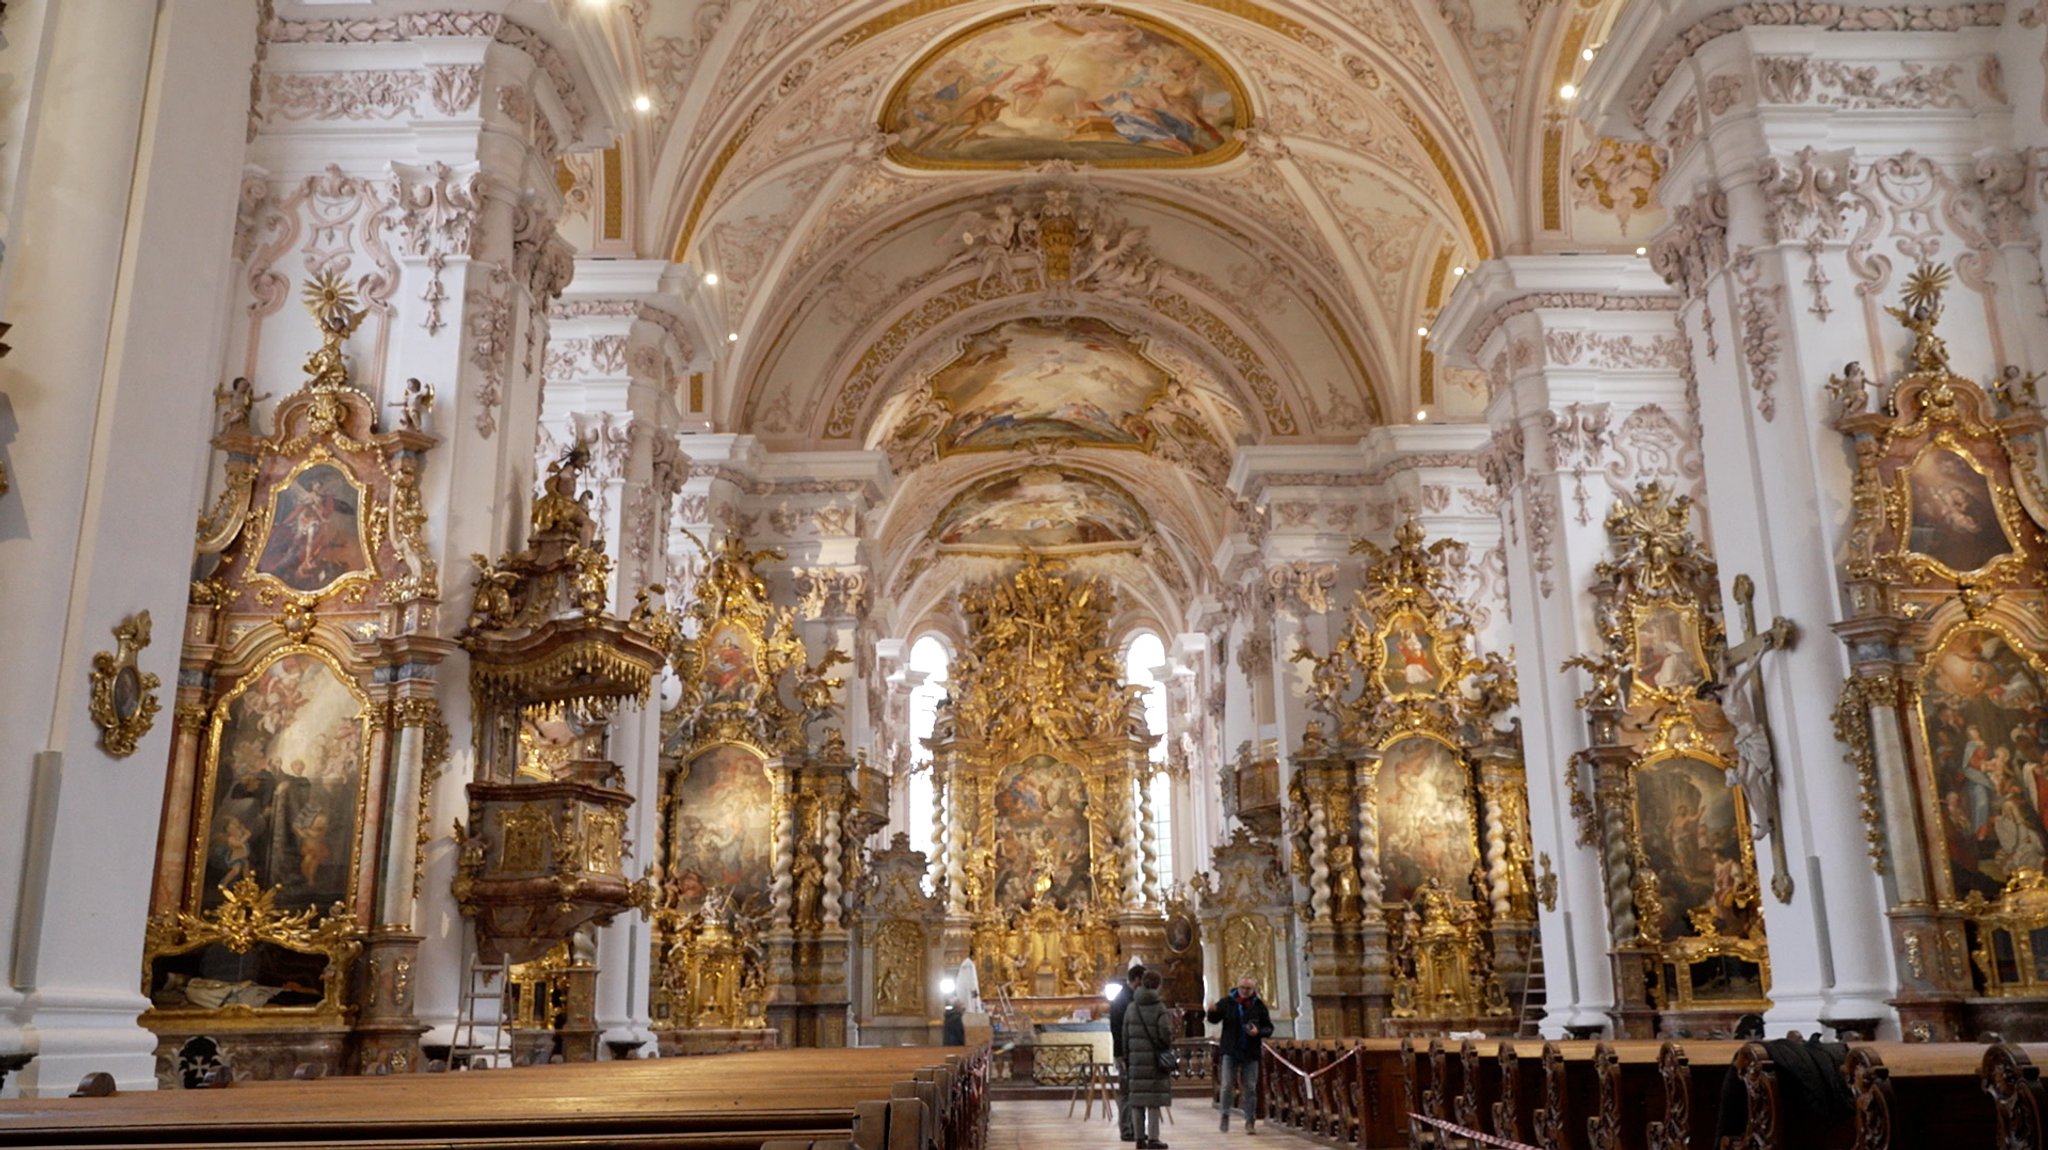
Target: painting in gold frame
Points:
x,y
284,787
1411,663
318,531
1984,718
732,672
1427,830
1043,846
721,825
1095,86
1693,833
1951,512
1667,658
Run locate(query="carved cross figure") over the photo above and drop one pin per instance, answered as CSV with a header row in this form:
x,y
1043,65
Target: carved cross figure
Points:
x,y
1742,700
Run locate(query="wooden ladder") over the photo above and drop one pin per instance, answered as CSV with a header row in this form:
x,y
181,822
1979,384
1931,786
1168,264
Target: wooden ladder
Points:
x,y
1534,996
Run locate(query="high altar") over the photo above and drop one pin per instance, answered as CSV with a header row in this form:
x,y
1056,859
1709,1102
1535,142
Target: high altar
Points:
x,y
1049,860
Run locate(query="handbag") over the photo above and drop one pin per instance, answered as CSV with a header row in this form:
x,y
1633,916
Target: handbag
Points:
x,y
1166,1058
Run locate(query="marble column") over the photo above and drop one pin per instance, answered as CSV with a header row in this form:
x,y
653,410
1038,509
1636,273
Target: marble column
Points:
x,y
1588,398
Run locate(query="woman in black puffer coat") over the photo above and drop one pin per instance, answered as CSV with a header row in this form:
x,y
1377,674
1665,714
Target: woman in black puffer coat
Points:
x,y
1148,1029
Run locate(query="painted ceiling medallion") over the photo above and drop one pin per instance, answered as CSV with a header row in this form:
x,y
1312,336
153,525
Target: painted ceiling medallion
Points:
x,y
1044,509
1097,86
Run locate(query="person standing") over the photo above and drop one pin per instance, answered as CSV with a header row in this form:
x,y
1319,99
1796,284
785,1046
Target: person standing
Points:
x,y
1148,1032
1117,1009
1246,1023
953,1027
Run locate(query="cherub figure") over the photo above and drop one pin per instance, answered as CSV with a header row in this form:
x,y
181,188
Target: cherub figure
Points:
x,y
235,402
414,405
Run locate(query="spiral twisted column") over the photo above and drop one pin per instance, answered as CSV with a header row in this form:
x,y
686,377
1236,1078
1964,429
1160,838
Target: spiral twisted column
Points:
x,y
1497,888
1621,876
956,851
1319,859
782,889
1148,843
836,831
1369,844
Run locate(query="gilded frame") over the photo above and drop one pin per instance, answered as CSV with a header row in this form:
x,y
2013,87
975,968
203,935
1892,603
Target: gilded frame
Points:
x,y
1678,737
1469,793
355,581
2011,517
899,95
202,822
1693,641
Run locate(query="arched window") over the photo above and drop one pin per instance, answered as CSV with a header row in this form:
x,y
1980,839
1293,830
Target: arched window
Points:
x,y
930,657
1142,660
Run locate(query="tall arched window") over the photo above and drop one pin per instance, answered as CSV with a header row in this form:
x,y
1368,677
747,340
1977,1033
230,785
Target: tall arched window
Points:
x,y
930,657
1142,659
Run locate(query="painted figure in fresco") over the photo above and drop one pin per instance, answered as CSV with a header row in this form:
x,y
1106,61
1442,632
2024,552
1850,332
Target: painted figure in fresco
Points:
x,y
1041,811
1987,726
315,538
1954,517
720,836
1413,657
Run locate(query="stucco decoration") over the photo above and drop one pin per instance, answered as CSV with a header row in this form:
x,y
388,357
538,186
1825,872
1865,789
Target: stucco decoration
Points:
x,y
1100,87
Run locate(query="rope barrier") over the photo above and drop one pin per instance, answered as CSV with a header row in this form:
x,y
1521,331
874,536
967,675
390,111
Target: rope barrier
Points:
x,y
1308,1077
1476,1136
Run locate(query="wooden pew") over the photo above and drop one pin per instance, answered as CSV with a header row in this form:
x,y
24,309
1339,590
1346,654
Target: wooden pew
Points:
x,y
1570,1096
728,1102
1910,1095
2012,1078
1519,1082
1690,1077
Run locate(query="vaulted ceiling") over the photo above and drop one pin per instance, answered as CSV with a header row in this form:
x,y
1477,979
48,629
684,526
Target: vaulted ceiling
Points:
x,y
907,205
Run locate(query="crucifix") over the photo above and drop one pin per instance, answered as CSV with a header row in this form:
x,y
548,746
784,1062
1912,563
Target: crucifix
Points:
x,y
1742,700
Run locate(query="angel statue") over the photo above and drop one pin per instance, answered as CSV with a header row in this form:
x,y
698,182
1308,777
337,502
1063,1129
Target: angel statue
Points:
x,y
414,405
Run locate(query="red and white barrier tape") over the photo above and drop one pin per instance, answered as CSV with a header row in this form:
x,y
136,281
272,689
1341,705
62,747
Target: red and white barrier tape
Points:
x,y
1475,1135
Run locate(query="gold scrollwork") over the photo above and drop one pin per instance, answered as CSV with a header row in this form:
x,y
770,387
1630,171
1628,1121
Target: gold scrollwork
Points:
x,y
247,917
123,703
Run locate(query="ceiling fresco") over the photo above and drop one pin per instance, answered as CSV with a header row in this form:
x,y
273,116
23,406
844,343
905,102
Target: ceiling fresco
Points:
x,y
1085,86
1041,509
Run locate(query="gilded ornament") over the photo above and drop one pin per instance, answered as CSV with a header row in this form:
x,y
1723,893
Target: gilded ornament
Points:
x,y
123,702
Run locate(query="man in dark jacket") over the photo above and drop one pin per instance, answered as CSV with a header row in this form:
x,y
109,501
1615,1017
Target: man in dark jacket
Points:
x,y
1246,1023
1117,1008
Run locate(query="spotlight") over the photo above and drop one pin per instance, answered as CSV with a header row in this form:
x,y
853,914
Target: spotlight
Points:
x,y
1568,92
1459,270
732,337
710,279
1423,332
643,104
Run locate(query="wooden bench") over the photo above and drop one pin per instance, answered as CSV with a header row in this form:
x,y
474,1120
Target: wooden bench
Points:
x,y
2011,1077
896,1099
1909,1095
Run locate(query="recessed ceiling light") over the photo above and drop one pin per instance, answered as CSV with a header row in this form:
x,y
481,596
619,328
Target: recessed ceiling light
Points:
x,y
643,104
1422,417
1586,54
732,337
1568,91
1459,270
1642,251
1422,331
710,279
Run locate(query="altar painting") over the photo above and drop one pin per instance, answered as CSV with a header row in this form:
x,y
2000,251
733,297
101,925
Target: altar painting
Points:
x,y
1029,380
1040,508
1411,665
730,671
1667,658
1041,833
721,828
1693,834
1425,815
1953,513
1985,715
316,530
1096,87
287,773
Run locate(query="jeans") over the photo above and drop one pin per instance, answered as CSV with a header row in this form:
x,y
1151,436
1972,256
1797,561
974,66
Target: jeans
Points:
x,y
1146,1123
1124,1128
1241,1075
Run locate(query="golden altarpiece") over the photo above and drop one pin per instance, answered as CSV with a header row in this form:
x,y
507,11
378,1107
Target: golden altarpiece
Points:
x,y
542,855
307,736
1657,789
1409,827
761,824
1945,582
1049,864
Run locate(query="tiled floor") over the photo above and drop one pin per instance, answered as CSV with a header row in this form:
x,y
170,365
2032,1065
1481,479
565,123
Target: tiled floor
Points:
x,y
1045,1126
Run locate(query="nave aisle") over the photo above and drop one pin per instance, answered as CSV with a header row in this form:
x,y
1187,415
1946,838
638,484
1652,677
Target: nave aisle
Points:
x,y
1045,1126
